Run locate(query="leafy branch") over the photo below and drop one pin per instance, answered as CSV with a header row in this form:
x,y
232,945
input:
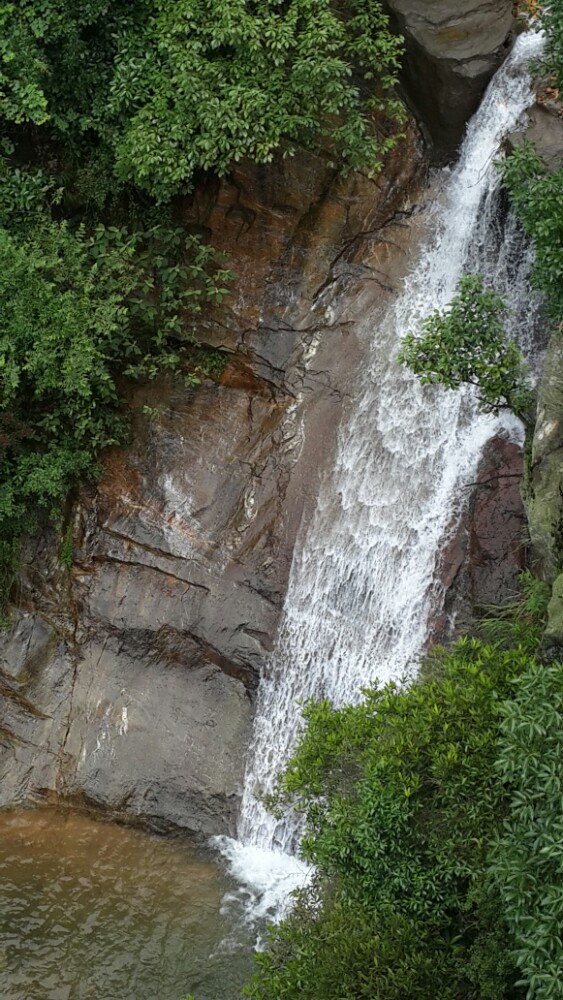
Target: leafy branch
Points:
x,y
465,344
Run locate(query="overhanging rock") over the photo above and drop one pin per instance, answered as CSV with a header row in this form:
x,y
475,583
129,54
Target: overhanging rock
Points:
x,y
453,47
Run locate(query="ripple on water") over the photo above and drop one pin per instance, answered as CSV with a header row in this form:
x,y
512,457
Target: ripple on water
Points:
x,y
94,911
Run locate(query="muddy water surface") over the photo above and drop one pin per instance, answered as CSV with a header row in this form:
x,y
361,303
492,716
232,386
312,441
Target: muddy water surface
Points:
x,y
94,911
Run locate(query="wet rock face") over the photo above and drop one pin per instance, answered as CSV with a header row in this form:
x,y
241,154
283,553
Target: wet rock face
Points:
x,y
290,229
135,693
128,682
488,550
138,737
176,548
453,47
498,536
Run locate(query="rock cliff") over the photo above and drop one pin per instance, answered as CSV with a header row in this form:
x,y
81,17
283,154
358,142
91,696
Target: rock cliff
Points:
x,y
544,486
127,683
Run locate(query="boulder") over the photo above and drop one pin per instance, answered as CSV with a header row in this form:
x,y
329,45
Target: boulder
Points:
x,y
545,131
453,47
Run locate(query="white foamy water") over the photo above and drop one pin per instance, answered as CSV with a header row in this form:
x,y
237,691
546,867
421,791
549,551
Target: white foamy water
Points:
x,y
362,586
266,877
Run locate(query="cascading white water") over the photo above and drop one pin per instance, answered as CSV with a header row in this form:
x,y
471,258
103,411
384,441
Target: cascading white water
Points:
x,y
362,584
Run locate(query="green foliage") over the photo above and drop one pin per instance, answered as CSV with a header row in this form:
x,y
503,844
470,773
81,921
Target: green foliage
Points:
x,y
202,361
400,795
221,81
466,345
521,623
22,68
57,60
169,88
527,858
333,949
79,310
551,22
400,745
538,198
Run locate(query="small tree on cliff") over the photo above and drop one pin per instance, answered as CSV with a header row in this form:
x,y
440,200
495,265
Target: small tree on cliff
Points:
x,y
465,344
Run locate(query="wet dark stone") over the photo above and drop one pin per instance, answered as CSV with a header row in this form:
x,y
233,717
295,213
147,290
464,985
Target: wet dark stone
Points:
x,y
487,550
453,48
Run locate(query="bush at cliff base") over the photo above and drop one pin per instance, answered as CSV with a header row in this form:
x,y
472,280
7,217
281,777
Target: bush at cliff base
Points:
x,y
419,809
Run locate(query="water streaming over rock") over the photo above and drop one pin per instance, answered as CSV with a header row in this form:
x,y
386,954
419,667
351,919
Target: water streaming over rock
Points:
x,y
363,582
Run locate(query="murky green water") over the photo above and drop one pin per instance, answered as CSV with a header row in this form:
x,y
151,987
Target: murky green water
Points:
x,y
93,911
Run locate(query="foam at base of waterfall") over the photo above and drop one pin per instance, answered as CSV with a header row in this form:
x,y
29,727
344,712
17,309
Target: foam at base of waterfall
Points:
x,y
265,878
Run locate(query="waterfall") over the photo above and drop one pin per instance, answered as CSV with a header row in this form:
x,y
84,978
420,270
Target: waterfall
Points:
x,y
363,584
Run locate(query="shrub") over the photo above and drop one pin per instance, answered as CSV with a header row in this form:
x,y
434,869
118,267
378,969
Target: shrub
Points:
x,y
527,860
465,344
537,196
78,311
400,796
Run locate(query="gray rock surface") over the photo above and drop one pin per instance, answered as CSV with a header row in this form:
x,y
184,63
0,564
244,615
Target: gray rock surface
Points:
x,y
453,47
140,739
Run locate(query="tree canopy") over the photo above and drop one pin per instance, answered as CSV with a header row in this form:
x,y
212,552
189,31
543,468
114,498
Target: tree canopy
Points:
x,y
159,90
